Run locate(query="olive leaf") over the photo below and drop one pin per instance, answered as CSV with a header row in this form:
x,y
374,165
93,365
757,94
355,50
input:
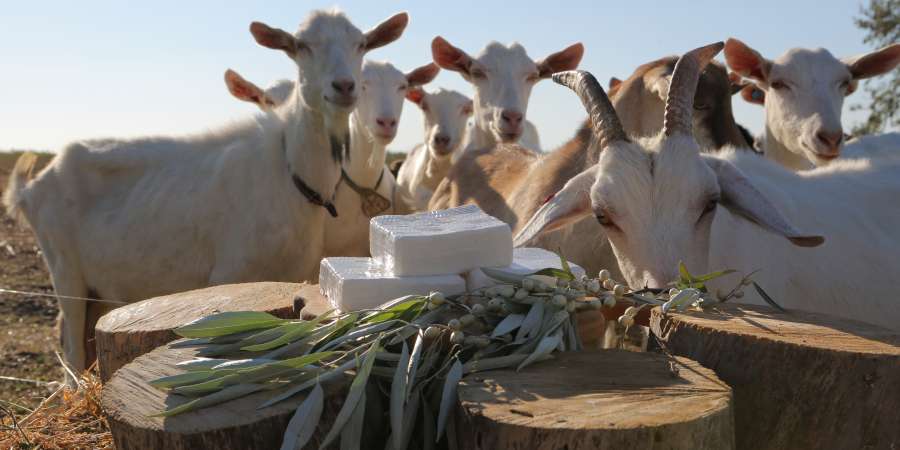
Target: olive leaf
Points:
x,y
413,365
544,348
532,321
398,396
448,395
509,323
228,323
297,331
766,297
357,390
229,393
351,434
305,420
183,379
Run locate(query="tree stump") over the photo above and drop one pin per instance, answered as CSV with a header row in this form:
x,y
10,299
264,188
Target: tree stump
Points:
x,y
801,380
128,403
610,399
135,329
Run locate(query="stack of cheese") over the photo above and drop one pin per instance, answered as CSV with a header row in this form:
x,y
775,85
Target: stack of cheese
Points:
x,y
420,253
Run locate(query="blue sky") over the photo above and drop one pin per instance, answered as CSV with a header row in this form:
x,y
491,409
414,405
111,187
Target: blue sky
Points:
x,y
75,70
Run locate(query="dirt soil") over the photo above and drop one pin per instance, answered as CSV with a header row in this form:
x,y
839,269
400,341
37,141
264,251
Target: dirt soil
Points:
x,y
28,337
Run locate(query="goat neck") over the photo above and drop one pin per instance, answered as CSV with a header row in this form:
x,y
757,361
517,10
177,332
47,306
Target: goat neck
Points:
x,y
367,156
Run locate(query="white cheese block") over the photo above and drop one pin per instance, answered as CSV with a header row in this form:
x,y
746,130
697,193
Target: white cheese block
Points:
x,y
351,284
526,260
453,240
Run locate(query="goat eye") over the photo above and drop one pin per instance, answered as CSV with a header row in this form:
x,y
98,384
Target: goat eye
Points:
x,y
780,85
478,74
710,206
362,47
845,85
403,88
603,219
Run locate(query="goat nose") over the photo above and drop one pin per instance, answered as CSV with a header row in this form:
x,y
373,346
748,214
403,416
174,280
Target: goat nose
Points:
x,y
385,122
514,118
343,86
832,139
441,140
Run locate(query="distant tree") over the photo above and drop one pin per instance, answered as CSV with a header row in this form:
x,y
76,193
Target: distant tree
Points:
x,y
881,21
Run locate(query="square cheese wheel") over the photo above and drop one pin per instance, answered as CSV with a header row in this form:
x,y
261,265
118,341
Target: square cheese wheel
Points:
x,y
453,240
526,260
352,283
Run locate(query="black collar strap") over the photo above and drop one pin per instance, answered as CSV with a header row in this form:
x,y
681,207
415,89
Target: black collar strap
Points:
x,y
314,197
311,194
357,187
372,203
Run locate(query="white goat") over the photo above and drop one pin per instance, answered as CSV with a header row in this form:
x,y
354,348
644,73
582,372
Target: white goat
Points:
x,y
804,92
661,200
502,78
373,126
137,218
446,113
367,186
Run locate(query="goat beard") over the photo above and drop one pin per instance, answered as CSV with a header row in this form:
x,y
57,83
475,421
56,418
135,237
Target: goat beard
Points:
x,y
339,136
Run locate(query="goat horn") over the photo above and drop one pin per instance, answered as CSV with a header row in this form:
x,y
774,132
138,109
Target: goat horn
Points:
x,y
680,101
603,116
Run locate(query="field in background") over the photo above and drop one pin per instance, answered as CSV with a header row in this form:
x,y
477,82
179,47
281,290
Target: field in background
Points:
x,y
27,323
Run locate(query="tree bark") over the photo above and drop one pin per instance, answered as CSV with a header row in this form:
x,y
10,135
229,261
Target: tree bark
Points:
x,y
129,403
133,330
609,399
801,380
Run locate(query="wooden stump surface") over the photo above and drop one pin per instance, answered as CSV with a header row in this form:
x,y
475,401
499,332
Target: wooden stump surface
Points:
x,y
135,329
801,380
128,403
610,399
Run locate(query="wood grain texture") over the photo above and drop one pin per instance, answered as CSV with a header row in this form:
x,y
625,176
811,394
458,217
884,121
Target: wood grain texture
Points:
x,y
135,329
801,380
611,399
128,402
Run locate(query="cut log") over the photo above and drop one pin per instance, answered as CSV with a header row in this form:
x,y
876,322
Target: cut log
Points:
x,y
801,380
129,402
609,399
135,329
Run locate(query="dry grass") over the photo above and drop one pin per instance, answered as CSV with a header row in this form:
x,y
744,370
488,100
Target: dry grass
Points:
x,y
67,419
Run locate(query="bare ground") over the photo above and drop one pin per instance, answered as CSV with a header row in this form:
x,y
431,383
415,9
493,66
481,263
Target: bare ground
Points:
x,y
28,338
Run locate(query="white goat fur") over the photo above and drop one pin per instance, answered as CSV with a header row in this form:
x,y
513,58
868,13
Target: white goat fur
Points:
x,y
662,201
445,113
804,95
385,88
137,218
659,221
502,77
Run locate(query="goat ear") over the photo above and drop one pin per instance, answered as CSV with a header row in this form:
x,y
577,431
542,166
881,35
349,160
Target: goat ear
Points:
x,y
422,75
740,196
746,61
561,61
570,204
751,93
415,95
247,91
386,32
875,63
449,57
274,38
614,83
